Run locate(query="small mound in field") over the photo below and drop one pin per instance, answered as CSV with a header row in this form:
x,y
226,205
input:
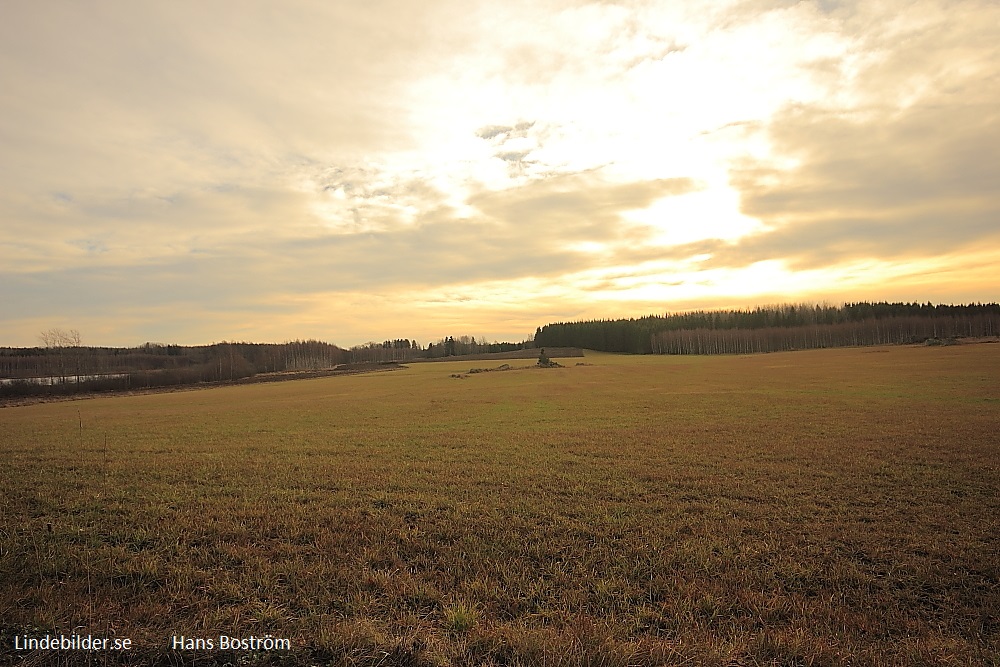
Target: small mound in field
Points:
x,y
501,367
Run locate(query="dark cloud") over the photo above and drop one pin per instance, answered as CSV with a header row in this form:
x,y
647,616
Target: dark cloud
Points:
x,y
513,156
501,133
493,131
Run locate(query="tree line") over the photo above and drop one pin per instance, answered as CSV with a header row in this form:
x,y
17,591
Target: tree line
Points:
x,y
447,346
778,327
451,347
398,349
64,366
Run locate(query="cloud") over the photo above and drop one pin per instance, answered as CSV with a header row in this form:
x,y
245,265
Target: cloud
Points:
x,y
575,206
523,231
179,163
513,156
494,131
519,233
116,85
867,190
895,175
502,133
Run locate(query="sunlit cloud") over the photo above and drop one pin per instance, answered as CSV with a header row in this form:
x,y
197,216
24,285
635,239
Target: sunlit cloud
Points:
x,y
189,174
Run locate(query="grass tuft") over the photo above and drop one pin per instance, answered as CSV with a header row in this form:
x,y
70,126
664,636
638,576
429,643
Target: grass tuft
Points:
x,y
460,617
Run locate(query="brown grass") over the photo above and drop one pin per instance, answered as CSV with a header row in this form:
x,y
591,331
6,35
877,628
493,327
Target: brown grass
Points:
x,y
833,507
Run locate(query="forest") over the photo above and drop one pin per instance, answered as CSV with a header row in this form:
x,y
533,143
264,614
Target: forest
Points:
x,y
63,365
778,328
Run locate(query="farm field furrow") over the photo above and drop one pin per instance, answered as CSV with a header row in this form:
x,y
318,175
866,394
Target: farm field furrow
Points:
x,y
827,507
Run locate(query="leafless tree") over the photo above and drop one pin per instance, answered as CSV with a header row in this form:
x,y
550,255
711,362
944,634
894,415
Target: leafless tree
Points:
x,y
67,343
56,338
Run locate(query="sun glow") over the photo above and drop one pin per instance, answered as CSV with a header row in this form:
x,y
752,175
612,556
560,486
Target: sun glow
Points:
x,y
711,213
500,162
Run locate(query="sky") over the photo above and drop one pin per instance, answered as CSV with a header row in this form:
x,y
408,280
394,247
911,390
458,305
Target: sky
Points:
x,y
192,172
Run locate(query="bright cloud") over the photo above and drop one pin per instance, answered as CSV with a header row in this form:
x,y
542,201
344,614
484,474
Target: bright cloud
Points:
x,y
185,172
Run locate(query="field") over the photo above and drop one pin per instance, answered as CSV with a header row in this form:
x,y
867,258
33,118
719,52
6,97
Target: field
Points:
x,y
828,507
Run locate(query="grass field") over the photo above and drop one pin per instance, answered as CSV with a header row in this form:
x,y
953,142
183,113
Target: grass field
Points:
x,y
830,507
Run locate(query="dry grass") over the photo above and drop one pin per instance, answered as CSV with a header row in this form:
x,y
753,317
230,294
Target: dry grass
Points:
x,y
833,507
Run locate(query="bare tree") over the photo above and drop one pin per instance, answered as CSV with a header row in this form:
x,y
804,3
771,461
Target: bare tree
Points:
x,y
57,338
65,342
